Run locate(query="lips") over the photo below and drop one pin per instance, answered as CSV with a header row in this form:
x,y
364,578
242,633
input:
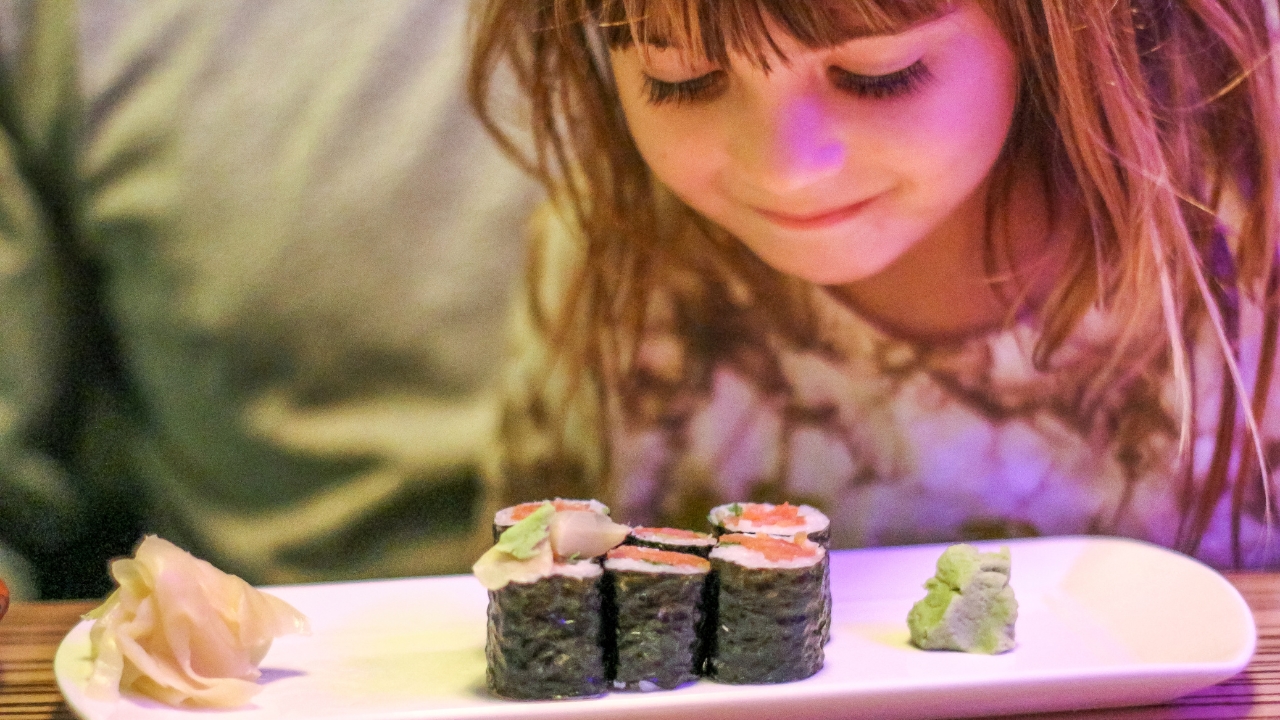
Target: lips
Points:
x,y
816,220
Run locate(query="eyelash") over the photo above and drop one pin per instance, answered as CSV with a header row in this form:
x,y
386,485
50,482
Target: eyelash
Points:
x,y
703,87
877,87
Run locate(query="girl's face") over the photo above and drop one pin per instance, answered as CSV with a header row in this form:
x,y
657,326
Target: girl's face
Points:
x,y
834,163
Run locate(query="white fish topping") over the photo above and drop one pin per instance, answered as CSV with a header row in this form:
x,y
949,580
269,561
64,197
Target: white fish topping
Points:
x,y
585,534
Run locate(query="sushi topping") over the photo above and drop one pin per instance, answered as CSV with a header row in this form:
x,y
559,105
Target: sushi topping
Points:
x,y
736,509
524,510
774,549
522,553
566,529
584,534
521,540
784,515
659,557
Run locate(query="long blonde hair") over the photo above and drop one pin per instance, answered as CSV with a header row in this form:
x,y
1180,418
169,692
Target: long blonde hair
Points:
x,y
1153,115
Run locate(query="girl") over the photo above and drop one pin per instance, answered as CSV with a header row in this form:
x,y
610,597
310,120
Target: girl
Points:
x,y
946,269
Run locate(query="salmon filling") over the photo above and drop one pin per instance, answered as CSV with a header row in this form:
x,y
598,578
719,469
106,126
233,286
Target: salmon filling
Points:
x,y
784,515
774,549
660,557
668,533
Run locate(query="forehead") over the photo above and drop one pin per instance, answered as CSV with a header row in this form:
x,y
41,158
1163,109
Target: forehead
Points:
x,y
713,29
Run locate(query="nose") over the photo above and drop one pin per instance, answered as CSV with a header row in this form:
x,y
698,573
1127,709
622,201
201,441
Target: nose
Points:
x,y
792,146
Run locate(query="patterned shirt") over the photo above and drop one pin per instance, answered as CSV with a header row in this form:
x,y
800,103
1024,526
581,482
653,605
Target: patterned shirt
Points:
x,y
899,442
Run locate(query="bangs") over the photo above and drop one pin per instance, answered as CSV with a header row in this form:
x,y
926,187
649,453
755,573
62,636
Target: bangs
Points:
x,y
715,29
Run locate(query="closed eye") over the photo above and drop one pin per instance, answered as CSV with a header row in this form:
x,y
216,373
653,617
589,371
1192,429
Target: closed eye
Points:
x,y
895,84
701,88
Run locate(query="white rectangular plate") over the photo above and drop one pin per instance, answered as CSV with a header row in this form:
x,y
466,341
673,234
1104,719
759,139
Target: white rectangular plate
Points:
x,y
1102,622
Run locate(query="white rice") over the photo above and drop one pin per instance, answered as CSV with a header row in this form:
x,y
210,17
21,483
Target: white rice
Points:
x,y
723,516
581,569
624,564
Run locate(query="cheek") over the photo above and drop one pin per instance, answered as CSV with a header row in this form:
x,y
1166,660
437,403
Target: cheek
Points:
x,y
980,114
953,138
680,154
680,146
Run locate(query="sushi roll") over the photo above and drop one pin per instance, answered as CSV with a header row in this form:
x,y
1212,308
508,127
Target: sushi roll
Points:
x,y
655,599
785,520
508,516
546,630
546,637
769,609
673,539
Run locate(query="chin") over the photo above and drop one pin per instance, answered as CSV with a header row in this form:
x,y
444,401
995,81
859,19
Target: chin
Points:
x,y
828,278
836,259
836,272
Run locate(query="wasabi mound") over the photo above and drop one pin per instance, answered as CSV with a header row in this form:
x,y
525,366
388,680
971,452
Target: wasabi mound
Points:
x,y
969,605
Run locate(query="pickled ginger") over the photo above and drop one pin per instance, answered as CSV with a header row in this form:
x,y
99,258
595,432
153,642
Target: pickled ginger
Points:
x,y
181,631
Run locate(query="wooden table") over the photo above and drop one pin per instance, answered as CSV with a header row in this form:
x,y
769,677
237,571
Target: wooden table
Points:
x,y
30,634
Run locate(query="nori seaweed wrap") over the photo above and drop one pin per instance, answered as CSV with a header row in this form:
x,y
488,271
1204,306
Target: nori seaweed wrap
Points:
x,y
546,638
672,539
783,520
655,600
770,609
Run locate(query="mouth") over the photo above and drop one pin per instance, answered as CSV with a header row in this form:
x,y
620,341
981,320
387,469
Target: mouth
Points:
x,y
815,221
